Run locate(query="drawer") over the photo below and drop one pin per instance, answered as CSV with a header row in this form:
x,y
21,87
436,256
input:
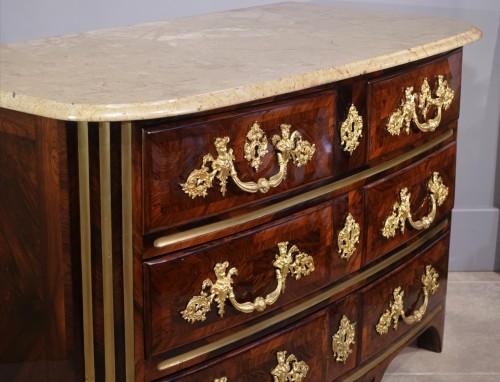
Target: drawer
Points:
x,y
430,266
343,337
351,125
402,205
326,342
348,228
297,353
247,266
199,168
392,126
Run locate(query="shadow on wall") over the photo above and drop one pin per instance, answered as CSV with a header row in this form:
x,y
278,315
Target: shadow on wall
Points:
x,y
496,201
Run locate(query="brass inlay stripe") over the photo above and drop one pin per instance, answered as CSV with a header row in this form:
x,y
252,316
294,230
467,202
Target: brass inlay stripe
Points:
x,y
128,276
171,362
85,249
404,339
107,250
214,227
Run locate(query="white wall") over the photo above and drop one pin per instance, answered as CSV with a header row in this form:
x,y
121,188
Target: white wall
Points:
x,y
475,218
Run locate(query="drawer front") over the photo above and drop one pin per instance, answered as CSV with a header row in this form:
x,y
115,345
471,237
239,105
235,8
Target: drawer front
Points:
x,y
343,337
409,201
295,354
348,228
425,273
351,125
247,266
208,166
393,126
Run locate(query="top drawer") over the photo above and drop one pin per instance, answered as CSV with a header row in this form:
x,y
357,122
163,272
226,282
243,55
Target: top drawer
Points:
x,y
414,104
209,165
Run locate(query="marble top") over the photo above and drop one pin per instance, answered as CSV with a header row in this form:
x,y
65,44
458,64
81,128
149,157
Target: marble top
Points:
x,y
204,62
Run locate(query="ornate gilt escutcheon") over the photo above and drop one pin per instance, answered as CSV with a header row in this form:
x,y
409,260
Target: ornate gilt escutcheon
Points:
x,y
348,237
287,261
429,285
289,369
343,339
290,146
401,211
256,146
351,130
402,117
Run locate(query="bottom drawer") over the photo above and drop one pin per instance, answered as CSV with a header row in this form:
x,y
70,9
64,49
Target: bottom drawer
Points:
x,y
399,300
318,348
293,351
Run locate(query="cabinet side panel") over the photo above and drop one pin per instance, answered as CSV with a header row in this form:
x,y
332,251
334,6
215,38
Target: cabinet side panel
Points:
x,y
38,317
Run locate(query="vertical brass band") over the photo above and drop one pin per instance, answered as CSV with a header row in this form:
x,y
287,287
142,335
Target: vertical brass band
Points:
x,y
106,250
128,291
85,249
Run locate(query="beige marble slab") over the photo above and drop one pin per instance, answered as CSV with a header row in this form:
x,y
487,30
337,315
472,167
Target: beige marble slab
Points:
x,y
199,63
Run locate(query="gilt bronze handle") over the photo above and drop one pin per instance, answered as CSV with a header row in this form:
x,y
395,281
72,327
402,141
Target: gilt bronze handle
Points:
x,y
429,285
401,210
287,261
402,117
289,369
290,146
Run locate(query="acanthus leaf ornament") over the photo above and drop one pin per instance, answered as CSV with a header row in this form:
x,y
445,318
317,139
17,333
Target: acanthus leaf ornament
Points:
x,y
288,261
289,369
402,117
348,237
290,146
343,339
391,316
401,211
351,130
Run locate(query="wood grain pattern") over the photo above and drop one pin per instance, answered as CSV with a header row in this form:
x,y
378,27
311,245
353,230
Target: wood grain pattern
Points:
x,y
348,307
97,271
172,280
349,203
172,151
255,362
380,197
39,314
385,94
351,92
377,296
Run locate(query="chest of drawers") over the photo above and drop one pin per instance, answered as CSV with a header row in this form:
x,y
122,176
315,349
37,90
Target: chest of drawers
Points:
x,y
272,220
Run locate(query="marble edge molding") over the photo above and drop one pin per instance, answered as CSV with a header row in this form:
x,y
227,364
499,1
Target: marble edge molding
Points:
x,y
228,97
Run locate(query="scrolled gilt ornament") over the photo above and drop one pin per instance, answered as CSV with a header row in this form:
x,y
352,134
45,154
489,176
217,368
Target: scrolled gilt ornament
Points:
x,y
348,237
402,117
256,146
401,211
289,369
290,146
351,130
391,316
343,339
288,261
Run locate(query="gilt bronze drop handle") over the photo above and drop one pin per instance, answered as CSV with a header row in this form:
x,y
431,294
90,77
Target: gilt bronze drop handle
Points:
x,y
429,286
290,146
287,261
401,210
402,117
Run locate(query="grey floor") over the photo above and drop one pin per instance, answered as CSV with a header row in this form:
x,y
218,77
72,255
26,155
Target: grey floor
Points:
x,y
471,351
